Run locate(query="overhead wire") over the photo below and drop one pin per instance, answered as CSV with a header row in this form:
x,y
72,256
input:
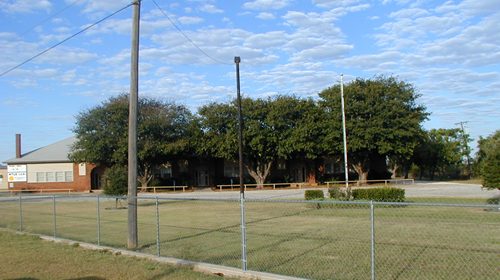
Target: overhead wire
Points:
x,y
187,37
63,41
48,18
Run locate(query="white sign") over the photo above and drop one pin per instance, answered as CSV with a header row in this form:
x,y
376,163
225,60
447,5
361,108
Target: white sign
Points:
x,y
16,173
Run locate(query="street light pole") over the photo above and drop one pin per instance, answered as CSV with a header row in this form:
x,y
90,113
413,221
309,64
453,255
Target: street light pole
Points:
x,y
346,169
237,61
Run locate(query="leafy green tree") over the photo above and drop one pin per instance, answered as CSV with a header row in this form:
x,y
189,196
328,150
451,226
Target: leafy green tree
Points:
x,y
383,119
488,158
440,153
102,134
275,128
115,182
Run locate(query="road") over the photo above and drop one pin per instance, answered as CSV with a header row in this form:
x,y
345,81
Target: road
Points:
x,y
419,189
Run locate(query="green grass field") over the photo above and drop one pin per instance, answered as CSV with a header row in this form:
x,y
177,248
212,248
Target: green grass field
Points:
x,y
297,239
29,257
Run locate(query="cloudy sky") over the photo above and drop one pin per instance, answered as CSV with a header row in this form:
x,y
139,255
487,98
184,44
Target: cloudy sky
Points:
x,y
450,51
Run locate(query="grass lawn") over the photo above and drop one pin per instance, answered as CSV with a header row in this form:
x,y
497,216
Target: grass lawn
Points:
x,y
297,239
29,257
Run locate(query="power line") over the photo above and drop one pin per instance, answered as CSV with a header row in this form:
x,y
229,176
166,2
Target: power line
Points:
x,y
49,17
187,37
63,41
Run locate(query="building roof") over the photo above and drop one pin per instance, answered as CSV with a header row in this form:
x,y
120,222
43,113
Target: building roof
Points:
x,y
56,152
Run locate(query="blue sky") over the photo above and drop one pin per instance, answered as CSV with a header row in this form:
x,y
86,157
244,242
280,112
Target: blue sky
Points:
x,y
449,50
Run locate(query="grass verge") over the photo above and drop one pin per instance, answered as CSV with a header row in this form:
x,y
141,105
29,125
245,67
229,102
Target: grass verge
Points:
x,y
296,239
29,257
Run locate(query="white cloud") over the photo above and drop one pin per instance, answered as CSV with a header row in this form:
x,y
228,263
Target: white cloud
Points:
x,y
24,6
190,20
211,9
266,4
97,8
65,56
265,16
267,40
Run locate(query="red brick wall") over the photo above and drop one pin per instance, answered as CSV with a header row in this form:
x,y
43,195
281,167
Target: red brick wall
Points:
x,y
79,184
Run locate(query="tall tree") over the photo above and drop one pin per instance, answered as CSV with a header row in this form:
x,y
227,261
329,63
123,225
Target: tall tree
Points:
x,y
163,130
488,159
440,152
383,119
275,128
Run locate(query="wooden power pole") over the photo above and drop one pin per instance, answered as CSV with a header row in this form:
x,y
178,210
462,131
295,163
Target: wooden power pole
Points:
x,y
132,240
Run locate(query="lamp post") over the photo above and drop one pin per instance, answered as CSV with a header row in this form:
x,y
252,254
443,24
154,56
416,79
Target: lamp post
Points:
x,y
346,169
237,61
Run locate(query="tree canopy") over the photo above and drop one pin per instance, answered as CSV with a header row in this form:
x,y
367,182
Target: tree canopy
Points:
x,y
439,152
383,119
102,134
489,160
275,128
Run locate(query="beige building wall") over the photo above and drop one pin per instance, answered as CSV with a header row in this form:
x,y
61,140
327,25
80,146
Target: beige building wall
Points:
x,y
32,169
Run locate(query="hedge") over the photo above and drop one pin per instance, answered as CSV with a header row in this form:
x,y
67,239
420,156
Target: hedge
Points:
x,y
314,194
379,194
338,194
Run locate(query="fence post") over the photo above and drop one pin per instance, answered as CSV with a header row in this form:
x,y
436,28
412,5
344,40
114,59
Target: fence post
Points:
x,y
157,229
54,214
243,234
20,211
372,240
98,221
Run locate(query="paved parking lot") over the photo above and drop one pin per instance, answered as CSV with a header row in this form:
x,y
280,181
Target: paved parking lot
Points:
x,y
419,189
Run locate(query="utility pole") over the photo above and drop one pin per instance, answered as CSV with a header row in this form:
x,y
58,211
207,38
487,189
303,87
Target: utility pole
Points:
x,y
346,168
466,146
132,240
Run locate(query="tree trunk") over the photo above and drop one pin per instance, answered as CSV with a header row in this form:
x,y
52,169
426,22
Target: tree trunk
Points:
x,y
145,178
394,170
260,173
362,168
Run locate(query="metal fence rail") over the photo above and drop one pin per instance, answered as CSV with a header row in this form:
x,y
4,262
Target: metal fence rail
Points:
x,y
386,182
308,239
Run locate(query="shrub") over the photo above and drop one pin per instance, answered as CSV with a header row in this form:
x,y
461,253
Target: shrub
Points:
x,y
314,194
338,193
115,180
379,194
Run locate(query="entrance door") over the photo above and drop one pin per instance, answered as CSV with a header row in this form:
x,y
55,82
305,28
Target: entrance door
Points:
x,y
202,179
299,174
96,178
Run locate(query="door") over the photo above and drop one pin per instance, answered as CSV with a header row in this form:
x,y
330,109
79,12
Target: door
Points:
x,y
202,177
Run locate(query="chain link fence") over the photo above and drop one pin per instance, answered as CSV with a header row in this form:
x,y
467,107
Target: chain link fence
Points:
x,y
306,239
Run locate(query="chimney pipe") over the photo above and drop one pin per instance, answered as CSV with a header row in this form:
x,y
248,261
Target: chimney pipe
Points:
x,y
18,145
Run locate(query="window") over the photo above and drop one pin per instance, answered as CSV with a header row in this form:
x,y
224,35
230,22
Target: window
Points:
x,y
68,176
59,176
166,170
183,166
50,176
231,169
281,165
41,177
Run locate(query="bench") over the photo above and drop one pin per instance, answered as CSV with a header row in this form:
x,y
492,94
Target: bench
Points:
x,y
154,188
274,185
